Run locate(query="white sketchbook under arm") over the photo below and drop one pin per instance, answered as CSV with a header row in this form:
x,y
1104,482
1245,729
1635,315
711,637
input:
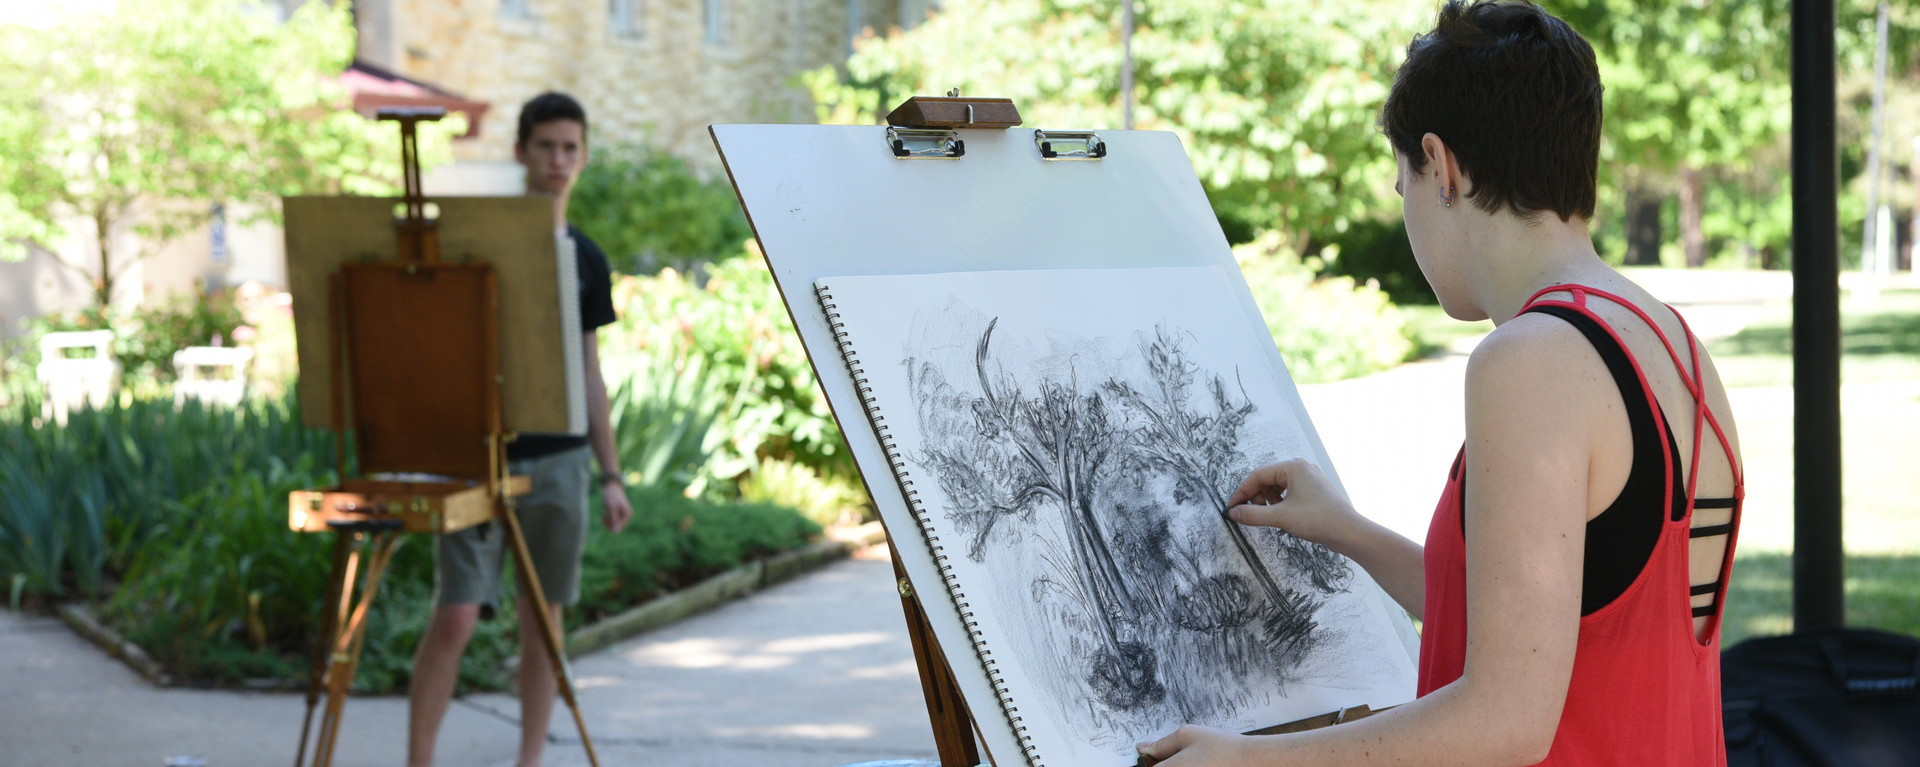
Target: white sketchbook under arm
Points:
x,y
1051,374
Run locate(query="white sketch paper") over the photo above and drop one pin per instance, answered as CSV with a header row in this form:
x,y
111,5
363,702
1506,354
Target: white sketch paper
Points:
x,y
1067,440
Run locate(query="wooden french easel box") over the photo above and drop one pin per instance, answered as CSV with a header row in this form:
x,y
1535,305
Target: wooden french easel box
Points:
x,y
422,507
422,434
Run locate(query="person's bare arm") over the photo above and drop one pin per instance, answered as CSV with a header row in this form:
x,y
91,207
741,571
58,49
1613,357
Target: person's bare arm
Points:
x,y
1295,496
613,492
1534,392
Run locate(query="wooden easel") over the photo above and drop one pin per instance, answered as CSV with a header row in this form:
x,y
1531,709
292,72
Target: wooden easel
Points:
x,y
419,338
951,190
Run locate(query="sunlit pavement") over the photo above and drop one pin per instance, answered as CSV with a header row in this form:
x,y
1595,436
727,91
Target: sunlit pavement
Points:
x,y
810,673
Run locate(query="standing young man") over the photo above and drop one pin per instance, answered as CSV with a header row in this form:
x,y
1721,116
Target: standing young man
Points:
x,y
552,146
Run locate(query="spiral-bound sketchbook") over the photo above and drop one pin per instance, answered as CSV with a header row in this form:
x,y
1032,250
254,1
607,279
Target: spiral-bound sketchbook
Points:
x,y
1066,441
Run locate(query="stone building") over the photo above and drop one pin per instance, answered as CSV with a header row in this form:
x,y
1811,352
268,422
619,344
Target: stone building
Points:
x,y
652,72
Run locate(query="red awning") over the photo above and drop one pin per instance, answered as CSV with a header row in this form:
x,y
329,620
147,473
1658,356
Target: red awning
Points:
x,y
374,88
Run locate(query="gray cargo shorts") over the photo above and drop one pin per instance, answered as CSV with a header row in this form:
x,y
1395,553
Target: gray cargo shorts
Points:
x,y
468,563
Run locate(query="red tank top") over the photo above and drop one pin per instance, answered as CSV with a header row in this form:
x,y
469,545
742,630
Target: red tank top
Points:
x,y
1645,691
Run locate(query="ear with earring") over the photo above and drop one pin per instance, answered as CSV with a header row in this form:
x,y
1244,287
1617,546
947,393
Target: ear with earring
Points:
x,y
1446,199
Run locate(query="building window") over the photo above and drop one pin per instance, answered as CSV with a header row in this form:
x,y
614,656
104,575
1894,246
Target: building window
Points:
x,y
719,21
516,9
626,18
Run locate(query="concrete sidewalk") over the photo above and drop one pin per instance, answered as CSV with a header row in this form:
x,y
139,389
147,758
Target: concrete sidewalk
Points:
x,y
810,673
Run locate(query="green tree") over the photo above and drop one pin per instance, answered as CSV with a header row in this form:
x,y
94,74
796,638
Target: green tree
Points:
x,y
1274,99
1698,105
140,118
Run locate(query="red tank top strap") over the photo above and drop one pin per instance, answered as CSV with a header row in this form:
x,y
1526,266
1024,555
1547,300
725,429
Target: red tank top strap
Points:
x,y
1691,376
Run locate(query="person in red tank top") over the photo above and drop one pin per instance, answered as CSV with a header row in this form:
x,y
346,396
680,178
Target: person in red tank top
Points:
x,y
1571,582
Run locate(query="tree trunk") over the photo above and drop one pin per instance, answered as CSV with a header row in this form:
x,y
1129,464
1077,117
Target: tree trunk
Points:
x,y
103,284
1643,227
1692,191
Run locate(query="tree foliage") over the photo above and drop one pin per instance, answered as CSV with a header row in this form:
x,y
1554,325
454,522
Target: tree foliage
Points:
x,y
1274,99
140,118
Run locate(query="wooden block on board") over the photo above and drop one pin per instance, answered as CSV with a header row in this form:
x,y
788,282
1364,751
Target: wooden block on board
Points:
x,y
953,112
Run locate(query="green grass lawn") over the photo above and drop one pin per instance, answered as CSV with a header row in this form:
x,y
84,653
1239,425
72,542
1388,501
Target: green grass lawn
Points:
x,y
1880,342
1880,416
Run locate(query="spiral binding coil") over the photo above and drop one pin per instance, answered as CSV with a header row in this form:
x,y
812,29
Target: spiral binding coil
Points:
x,y
898,464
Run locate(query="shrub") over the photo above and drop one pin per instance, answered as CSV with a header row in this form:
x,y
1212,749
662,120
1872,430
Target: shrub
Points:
x,y
185,511
651,210
1377,252
674,541
84,498
1327,328
734,333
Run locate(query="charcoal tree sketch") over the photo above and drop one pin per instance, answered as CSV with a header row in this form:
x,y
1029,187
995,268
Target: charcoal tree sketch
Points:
x,y
1101,472
1064,442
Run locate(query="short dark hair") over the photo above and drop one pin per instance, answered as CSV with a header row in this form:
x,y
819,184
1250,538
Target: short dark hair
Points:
x,y
547,107
1515,93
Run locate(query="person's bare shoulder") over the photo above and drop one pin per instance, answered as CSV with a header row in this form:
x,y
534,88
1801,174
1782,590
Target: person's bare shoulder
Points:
x,y
1535,352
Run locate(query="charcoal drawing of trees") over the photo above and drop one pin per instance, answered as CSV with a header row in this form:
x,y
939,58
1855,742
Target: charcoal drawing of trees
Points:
x,y
1051,449
1116,482
1201,451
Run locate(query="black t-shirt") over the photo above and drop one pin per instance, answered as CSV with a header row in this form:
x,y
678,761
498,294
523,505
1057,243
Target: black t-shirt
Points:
x,y
596,311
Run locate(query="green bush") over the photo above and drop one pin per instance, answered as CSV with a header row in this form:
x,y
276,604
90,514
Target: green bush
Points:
x,y
1377,252
650,210
673,542
84,498
663,416
733,333
1327,328
175,519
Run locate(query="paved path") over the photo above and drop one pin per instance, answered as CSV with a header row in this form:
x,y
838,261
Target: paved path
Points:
x,y
815,672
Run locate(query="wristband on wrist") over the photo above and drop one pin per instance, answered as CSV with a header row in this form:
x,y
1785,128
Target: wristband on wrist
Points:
x,y
612,476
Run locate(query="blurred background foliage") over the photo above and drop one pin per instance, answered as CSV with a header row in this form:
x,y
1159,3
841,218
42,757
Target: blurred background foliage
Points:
x,y
1276,102
140,122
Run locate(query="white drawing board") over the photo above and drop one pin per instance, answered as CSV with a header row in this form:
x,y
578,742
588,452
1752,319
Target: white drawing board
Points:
x,y
829,201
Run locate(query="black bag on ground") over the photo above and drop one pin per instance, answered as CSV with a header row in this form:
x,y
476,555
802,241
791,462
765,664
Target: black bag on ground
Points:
x,y
1831,698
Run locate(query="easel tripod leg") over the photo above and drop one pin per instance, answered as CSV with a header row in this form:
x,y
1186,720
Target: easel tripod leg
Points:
x,y
350,635
946,709
549,630
323,643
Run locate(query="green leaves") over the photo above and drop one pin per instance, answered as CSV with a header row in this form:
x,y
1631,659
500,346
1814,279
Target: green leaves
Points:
x,y
650,210
726,351
144,116
1275,100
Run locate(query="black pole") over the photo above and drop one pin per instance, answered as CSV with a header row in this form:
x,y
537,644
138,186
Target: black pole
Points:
x,y
1818,598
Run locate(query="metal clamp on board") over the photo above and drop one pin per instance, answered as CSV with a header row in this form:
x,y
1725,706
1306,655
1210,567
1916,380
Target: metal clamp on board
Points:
x,y
925,143
1070,144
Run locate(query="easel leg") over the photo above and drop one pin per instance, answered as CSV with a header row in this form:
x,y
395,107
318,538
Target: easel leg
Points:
x,y
323,643
946,709
549,630
349,630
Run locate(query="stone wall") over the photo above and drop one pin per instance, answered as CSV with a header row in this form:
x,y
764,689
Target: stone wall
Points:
x,y
660,81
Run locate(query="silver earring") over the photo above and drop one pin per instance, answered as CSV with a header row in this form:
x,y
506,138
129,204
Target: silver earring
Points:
x,y
1446,200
